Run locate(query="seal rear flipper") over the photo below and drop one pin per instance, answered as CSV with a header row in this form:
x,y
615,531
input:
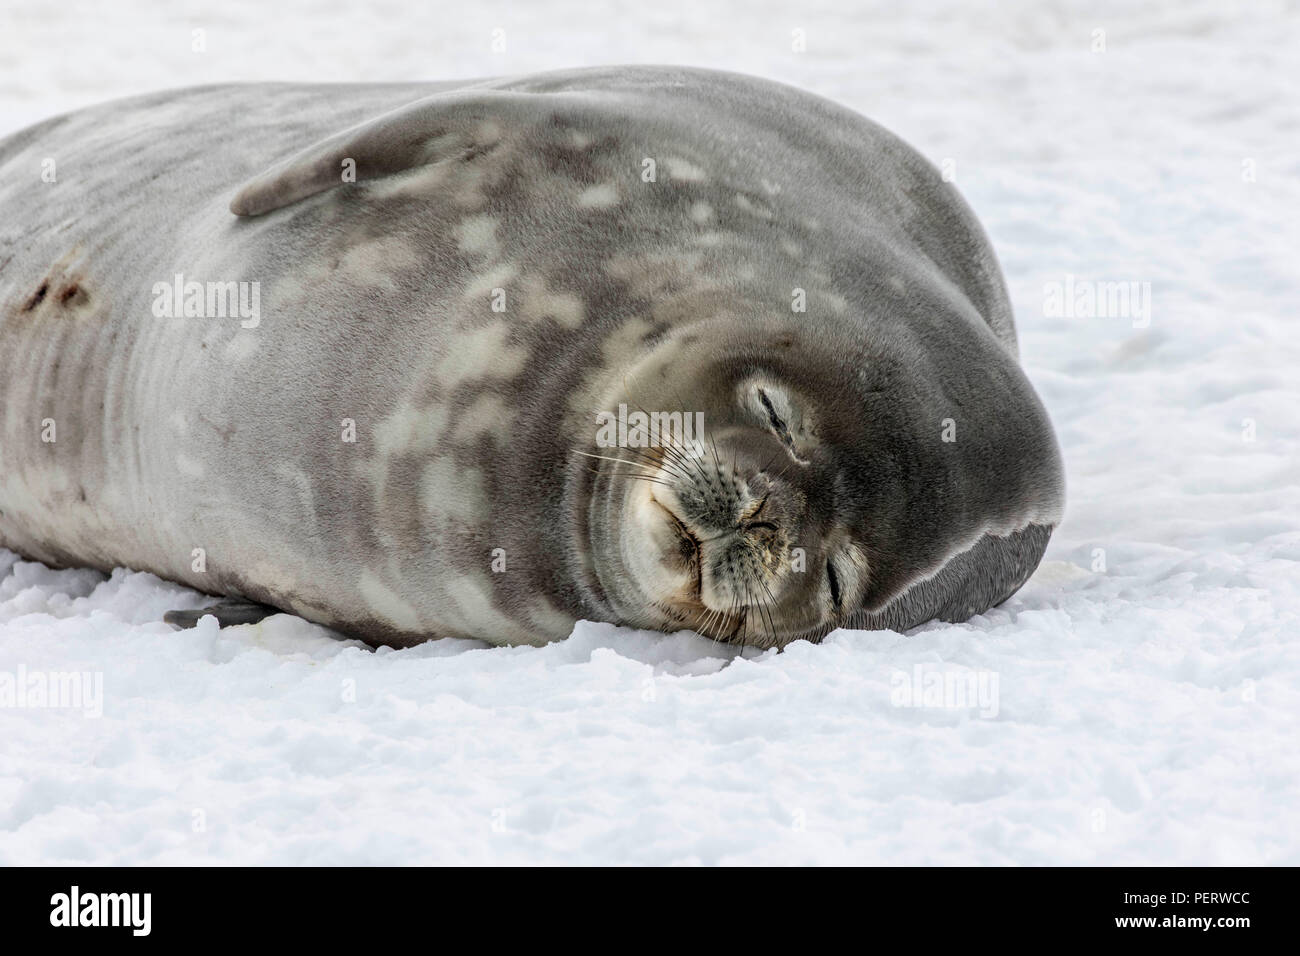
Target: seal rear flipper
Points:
x,y
461,123
228,612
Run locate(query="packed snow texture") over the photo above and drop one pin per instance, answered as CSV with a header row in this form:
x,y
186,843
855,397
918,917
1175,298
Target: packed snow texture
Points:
x,y
1136,702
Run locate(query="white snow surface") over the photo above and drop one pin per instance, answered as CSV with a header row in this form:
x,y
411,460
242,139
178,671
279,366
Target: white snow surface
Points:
x,y
1147,677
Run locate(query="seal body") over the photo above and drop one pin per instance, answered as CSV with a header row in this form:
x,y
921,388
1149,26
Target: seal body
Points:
x,y
345,351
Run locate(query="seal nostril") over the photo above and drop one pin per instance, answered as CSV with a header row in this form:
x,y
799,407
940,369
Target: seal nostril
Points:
x,y
688,546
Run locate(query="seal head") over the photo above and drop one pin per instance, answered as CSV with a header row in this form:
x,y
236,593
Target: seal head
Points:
x,y
832,486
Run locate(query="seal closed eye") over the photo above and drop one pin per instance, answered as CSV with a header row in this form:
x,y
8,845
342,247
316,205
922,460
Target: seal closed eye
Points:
x,y
833,582
371,354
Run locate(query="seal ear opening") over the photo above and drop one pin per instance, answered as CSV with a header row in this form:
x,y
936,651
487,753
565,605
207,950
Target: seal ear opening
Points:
x,y
462,123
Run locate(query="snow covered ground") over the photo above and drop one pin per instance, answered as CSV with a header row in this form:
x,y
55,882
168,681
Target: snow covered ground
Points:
x,y
1136,702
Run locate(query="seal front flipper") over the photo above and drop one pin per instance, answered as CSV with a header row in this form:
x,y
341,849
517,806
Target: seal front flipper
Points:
x,y
228,612
457,124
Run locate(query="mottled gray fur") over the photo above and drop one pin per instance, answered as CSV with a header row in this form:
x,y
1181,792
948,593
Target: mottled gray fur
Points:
x,y
177,434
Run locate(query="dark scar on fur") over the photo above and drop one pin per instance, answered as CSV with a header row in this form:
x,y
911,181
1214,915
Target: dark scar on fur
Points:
x,y
37,297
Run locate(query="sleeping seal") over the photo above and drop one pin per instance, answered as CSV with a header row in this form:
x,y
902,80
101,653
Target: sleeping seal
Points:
x,y
664,347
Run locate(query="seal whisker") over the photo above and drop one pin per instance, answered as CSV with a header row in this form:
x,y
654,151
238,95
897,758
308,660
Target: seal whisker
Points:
x,y
639,476
670,446
769,605
649,460
621,461
705,622
757,604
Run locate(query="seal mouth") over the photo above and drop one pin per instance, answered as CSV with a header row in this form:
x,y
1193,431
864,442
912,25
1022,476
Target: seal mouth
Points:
x,y
689,546
727,627
689,610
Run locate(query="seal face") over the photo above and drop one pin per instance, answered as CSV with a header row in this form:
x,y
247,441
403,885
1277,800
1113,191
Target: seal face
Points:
x,y
824,493
452,319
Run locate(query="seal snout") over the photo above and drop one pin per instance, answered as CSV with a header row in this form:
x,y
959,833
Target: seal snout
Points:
x,y
736,530
724,535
